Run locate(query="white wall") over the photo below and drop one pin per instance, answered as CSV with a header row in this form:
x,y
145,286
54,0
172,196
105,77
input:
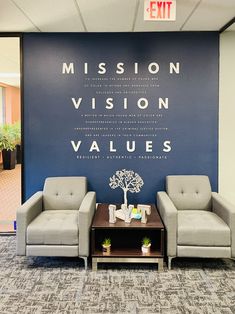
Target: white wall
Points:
x,y
227,116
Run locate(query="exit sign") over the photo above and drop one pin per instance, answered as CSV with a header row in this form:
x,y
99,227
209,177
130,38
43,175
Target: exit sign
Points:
x,y
159,10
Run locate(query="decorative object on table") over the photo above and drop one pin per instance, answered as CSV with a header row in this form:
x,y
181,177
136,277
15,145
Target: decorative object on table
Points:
x,y
145,210
123,207
139,212
130,208
106,246
112,216
127,218
120,214
127,180
146,244
136,213
127,212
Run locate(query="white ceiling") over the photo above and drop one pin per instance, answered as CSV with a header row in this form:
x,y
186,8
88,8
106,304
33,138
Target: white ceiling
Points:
x,y
98,16
109,16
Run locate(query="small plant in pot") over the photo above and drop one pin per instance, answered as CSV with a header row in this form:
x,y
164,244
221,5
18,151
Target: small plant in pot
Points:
x,y
146,244
106,246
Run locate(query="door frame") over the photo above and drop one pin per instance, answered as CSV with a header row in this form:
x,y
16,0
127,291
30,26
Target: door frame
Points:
x,y
20,36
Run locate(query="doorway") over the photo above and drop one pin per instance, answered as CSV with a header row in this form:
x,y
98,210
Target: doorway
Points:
x,y
10,132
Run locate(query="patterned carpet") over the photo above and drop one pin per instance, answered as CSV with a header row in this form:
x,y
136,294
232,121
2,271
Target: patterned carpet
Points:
x,y
61,285
10,197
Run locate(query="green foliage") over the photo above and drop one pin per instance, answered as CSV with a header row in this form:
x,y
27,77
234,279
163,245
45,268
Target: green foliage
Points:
x,y
106,242
10,136
16,130
146,241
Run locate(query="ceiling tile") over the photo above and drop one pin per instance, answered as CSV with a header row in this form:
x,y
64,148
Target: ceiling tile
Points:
x,y
231,28
53,15
12,19
183,10
108,15
211,15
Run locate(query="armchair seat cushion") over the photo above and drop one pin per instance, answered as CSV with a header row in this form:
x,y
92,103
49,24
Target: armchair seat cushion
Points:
x,y
54,227
202,228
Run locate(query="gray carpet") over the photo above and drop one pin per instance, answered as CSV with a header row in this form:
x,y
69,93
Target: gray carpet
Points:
x,y
61,285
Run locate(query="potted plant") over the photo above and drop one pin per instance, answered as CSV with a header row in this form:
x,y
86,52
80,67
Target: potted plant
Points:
x,y
7,146
146,244
106,246
17,134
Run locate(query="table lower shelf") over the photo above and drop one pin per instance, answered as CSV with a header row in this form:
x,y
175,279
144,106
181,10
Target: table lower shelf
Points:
x,y
111,259
127,252
127,256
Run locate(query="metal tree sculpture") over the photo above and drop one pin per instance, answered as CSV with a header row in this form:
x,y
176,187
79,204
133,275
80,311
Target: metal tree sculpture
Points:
x,y
127,180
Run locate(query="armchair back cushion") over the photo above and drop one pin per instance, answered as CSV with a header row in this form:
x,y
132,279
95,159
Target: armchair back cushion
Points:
x,y
65,193
189,192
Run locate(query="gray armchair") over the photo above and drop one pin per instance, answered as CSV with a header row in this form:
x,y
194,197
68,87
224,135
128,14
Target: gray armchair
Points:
x,y
57,220
199,223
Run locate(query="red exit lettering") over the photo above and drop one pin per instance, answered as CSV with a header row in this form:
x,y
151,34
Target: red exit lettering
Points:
x,y
160,9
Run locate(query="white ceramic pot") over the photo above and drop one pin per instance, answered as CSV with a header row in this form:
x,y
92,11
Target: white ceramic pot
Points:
x,y
106,249
146,249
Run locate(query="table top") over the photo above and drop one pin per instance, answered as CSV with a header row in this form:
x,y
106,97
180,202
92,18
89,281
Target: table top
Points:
x,y
101,220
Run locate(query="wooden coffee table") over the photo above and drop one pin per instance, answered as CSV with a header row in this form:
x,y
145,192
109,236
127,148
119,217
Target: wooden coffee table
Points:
x,y
126,239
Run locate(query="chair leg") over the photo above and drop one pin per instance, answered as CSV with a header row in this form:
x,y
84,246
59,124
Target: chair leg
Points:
x,y
85,261
169,262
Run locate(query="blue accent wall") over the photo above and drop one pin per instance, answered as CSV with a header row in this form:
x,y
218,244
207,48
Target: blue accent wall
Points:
x,y
181,134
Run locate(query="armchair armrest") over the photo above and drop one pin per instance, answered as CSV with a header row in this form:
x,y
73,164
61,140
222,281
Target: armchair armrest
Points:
x,y
24,215
168,213
225,211
85,216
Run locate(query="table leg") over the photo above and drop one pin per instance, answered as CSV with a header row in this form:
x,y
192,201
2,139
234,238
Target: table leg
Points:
x,y
160,264
94,264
